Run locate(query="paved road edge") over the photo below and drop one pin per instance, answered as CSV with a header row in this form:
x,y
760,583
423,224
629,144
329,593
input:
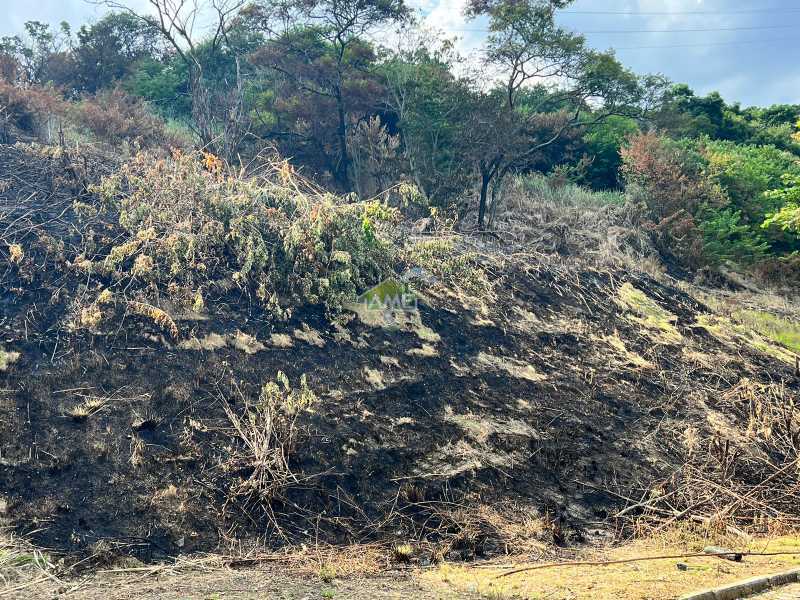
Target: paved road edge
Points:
x,y
747,587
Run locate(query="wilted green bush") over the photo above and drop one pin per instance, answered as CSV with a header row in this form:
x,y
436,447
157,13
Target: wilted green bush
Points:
x,y
192,228
450,265
266,438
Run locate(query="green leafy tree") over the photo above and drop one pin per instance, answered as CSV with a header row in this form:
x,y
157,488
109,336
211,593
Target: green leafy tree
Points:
x,y
684,114
529,47
430,104
603,143
775,115
107,51
726,238
746,172
164,84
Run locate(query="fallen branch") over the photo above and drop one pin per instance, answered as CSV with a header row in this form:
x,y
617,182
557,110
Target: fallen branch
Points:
x,y
602,563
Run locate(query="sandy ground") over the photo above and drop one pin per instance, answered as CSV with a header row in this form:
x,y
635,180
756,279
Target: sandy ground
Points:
x,y
238,585
645,580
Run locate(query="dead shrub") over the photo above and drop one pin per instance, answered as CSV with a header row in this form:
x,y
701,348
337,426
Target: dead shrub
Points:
x,y
773,419
779,270
374,154
267,433
33,110
741,474
115,117
9,67
5,126
669,181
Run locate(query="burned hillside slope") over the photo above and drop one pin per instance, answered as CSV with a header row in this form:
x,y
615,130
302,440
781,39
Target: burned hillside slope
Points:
x,y
567,393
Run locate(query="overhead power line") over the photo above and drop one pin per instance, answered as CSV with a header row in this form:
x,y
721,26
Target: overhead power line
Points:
x,y
626,31
682,13
700,30
690,45
707,44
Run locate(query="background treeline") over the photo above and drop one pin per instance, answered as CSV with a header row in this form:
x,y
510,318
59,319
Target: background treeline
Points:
x,y
362,99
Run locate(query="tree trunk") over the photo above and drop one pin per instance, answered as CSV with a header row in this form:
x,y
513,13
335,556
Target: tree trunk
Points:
x,y
342,174
201,109
486,177
497,187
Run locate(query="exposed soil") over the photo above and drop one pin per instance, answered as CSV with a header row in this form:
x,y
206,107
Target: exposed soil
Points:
x,y
286,578
246,585
523,408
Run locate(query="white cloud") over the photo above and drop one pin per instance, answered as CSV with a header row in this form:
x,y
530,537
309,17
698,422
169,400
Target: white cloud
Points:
x,y
424,6
448,17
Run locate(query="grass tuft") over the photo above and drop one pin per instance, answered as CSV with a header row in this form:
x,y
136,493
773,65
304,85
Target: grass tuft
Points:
x,y
327,574
403,553
649,314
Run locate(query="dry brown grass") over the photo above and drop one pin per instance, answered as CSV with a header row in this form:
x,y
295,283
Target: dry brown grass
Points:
x,y
631,581
598,228
116,118
22,566
267,432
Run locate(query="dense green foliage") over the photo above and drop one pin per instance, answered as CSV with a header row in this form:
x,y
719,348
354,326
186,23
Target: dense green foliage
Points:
x,y
787,201
732,196
717,182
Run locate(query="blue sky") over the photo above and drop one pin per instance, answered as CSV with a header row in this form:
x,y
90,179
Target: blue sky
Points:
x,y
752,57
748,50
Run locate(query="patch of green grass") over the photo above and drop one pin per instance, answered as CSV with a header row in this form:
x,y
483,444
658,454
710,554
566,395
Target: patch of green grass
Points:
x,y
773,327
327,573
567,194
16,559
731,331
181,131
20,563
649,314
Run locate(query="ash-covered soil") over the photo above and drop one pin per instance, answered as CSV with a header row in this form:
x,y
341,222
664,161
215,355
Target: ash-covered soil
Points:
x,y
569,395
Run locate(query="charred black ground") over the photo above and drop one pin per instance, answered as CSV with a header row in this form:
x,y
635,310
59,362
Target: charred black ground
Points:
x,y
564,398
